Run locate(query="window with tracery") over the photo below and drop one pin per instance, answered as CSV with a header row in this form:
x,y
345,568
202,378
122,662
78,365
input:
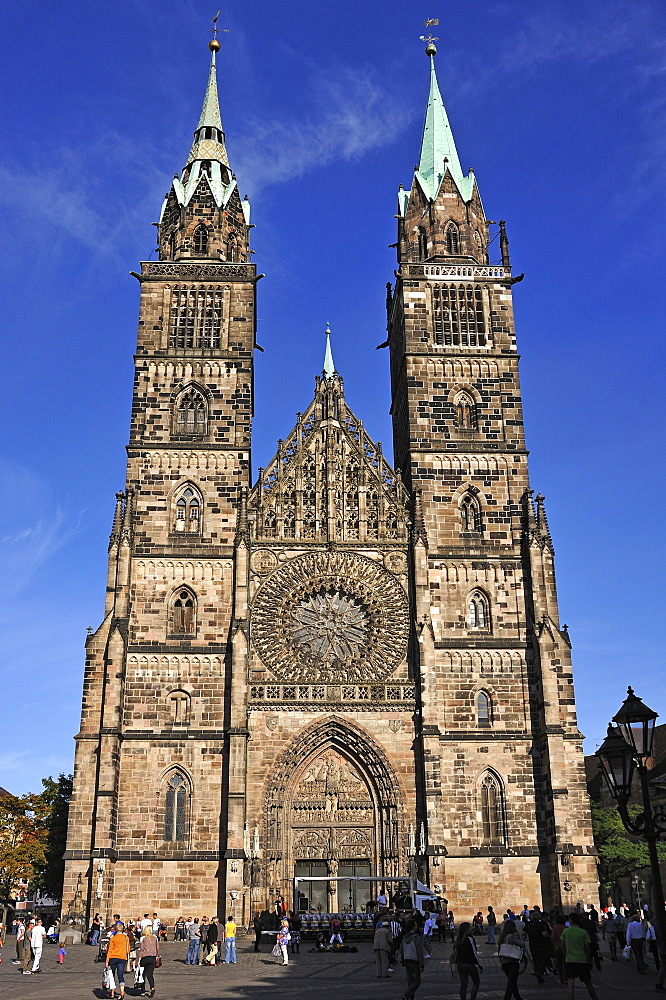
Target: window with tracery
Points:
x,y
493,826
458,313
452,237
470,513
191,413
188,512
483,710
465,412
478,612
195,318
183,613
175,807
178,704
200,239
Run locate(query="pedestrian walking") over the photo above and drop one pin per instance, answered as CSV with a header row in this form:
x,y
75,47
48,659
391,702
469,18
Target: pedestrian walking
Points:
x,y
556,937
213,941
466,960
37,943
577,956
336,928
20,941
442,923
451,926
258,928
651,941
512,948
27,948
230,941
635,935
491,921
412,957
295,927
381,945
283,938
194,943
95,930
149,956
611,934
539,936
429,928
477,924
117,955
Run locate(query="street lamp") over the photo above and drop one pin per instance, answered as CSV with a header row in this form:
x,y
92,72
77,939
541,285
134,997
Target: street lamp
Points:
x,y
628,745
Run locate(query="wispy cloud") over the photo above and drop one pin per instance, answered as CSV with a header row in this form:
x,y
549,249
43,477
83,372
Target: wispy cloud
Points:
x,y
40,527
350,113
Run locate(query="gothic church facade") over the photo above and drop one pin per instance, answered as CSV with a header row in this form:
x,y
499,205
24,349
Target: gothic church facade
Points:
x,y
349,667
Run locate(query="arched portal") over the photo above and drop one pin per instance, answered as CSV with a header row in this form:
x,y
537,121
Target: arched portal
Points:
x,y
333,808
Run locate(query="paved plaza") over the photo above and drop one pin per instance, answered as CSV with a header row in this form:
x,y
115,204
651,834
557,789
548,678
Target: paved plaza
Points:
x,y
325,977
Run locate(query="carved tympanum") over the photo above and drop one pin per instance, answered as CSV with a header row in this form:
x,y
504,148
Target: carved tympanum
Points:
x,y
330,617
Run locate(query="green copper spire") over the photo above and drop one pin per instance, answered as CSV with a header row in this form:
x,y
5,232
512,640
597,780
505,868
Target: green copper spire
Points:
x,y
438,144
329,367
209,138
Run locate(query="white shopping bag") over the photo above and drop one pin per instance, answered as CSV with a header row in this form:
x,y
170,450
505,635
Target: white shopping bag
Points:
x,y
138,976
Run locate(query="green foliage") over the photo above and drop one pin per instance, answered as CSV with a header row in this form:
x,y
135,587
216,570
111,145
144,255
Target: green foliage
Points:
x,y
619,853
56,796
23,840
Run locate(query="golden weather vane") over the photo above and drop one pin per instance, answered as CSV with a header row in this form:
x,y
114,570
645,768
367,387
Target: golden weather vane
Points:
x,y
430,23
214,46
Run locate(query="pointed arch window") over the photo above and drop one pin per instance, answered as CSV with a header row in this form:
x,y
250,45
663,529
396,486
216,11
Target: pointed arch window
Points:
x,y
493,823
176,802
452,238
191,413
188,512
465,412
483,710
422,243
200,239
183,616
470,513
478,611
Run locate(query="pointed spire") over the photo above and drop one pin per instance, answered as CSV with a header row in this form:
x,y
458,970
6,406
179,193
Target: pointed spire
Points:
x,y
209,138
438,148
329,367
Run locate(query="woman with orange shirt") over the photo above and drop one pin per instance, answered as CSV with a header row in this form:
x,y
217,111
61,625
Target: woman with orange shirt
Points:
x,y
117,955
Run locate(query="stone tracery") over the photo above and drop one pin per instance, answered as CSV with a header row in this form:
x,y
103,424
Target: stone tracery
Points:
x,y
331,617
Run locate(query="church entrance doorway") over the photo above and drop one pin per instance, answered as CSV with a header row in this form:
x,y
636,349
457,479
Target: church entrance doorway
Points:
x,y
352,896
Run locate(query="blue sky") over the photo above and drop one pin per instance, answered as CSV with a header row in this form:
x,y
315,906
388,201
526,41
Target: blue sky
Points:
x,y
560,107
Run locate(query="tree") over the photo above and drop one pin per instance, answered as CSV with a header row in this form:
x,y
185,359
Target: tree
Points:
x,y
55,798
23,841
619,853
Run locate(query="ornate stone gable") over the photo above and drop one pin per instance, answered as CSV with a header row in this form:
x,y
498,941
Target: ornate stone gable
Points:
x,y
329,482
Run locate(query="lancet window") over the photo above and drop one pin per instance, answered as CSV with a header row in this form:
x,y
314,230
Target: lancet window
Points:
x,y
176,807
188,511
196,317
478,611
459,319
200,239
493,823
483,710
183,613
470,513
452,238
191,413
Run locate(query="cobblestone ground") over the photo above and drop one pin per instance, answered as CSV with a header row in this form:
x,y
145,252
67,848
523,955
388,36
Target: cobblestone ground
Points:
x,y
320,977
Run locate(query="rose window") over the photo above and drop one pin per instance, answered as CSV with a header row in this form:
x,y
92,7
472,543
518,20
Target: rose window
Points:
x,y
330,625
330,617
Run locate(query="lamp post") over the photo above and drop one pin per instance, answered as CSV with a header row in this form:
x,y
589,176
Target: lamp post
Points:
x,y
628,746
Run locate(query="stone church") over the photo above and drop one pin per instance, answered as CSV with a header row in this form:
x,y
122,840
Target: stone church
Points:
x,y
348,667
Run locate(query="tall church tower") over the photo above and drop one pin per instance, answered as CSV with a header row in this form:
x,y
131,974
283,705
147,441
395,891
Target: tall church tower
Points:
x,y
504,795
145,826
348,669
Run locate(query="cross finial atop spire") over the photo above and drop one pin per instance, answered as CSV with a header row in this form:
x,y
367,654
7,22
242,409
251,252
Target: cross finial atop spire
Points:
x,y
329,367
